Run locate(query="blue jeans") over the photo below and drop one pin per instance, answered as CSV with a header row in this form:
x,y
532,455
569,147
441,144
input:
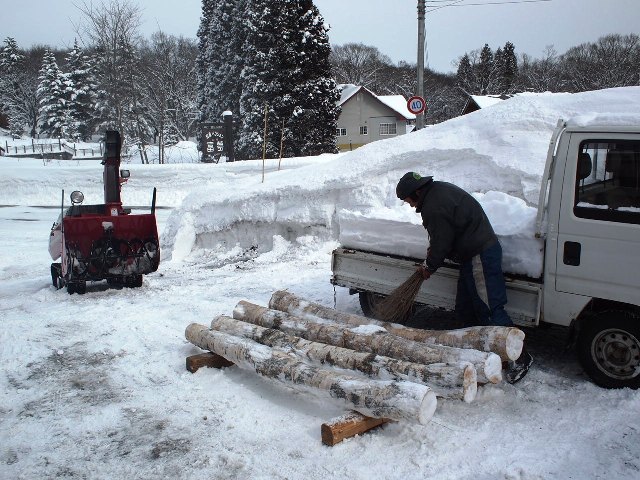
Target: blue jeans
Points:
x,y
482,293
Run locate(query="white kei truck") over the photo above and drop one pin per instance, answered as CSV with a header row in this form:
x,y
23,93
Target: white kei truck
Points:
x,y
588,223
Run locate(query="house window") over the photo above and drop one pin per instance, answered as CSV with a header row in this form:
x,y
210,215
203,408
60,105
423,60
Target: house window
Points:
x,y
341,132
388,129
364,130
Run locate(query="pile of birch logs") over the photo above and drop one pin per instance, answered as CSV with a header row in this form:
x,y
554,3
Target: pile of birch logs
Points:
x,y
381,370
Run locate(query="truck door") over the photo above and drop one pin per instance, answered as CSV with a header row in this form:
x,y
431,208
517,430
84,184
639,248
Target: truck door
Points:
x,y
599,223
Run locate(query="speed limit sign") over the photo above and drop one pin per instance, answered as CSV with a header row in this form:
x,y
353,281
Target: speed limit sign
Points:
x,y
416,105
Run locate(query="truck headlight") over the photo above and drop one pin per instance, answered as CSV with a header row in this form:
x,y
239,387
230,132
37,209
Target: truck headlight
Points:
x,y
77,197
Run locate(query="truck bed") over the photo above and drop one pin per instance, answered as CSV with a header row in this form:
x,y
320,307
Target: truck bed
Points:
x,y
362,271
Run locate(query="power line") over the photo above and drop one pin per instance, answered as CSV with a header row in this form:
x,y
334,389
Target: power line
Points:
x,y
455,4
443,6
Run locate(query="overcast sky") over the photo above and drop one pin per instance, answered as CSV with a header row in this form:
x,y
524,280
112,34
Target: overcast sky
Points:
x,y
390,25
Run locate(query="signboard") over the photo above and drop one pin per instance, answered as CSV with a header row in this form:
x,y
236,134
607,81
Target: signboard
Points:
x,y
213,141
217,140
416,105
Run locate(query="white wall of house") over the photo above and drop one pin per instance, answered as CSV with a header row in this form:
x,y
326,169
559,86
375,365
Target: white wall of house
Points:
x,y
364,113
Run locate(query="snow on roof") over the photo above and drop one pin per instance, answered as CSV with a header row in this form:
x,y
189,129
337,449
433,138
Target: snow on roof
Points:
x,y
397,103
484,101
348,90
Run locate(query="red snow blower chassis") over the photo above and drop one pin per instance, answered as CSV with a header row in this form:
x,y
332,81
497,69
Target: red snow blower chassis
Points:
x,y
98,242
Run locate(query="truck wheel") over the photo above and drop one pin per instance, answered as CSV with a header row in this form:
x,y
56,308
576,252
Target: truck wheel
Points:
x,y
368,302
609,349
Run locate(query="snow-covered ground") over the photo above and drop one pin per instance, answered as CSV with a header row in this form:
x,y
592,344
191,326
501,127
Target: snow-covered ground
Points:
x,y
95,386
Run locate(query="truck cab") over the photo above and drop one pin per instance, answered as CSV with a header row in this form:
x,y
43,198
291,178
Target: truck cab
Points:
x,y
592,239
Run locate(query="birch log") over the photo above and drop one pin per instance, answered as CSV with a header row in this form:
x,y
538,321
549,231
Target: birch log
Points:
x,y
504,341
447,380
374,398
372,339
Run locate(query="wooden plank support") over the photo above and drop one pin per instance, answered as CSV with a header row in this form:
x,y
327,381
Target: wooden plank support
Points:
x,y
208,359
346,426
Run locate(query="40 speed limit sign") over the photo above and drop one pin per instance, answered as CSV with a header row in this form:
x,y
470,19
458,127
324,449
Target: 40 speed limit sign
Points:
x,y
416,105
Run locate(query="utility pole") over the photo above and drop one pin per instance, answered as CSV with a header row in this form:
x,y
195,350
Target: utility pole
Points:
x,y
421,36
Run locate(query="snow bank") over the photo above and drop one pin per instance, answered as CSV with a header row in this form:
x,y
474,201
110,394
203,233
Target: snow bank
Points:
x,y
497,153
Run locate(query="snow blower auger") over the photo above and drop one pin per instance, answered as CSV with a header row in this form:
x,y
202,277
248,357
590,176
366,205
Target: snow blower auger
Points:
x,y
104,242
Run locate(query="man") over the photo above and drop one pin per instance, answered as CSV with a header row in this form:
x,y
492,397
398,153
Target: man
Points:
x,y
459,230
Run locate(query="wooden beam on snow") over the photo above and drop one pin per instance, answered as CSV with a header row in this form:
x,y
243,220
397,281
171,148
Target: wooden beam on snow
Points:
x,y
346,426
208,359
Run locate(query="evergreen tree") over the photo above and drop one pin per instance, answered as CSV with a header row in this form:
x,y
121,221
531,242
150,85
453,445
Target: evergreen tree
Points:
x,y
209,10
464,75
485,70
509,68
10,57
11,65
224,52
287,71
220,59
80,92
313,124
54,118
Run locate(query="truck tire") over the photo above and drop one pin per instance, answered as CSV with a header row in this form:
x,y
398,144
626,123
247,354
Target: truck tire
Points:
x,y
368,302
609,349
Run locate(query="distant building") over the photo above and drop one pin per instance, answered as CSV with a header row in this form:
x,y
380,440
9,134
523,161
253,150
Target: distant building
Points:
x,y
476,102
367,117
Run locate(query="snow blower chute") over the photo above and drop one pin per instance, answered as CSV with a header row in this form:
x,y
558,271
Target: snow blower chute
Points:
x,y
98,242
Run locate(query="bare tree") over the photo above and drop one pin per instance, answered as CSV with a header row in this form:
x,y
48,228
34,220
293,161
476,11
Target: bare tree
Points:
x,y
612,61
169,87
358,64
540,75
111,28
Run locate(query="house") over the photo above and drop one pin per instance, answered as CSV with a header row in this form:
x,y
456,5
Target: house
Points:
x,y
367,117
476,102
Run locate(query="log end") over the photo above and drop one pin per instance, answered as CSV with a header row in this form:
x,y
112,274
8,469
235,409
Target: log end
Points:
x,y
278,299
469,383
493,368
427,407
514,343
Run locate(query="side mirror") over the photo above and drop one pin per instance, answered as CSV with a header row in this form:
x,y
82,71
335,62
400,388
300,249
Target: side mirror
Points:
x,y
125,173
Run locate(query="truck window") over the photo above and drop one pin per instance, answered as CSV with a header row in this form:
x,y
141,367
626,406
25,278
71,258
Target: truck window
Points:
x,y
608,181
